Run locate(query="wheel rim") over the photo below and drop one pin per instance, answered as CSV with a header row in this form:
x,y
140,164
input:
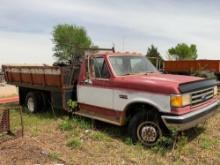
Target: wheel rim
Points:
x,y
148,132
30,104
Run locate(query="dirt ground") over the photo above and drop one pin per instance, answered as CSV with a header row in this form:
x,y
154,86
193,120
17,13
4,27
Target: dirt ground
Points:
x,y
24,151
7,90
32,148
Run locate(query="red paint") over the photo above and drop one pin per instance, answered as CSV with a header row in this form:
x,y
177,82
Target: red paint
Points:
x,y
152,82
26,78
9,100
100,110
52,80
38,79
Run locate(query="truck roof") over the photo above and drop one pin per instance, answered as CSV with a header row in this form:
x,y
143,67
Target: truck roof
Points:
x,y
115,54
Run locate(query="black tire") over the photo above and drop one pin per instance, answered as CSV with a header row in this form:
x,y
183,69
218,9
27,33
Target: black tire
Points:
x,y
144,127
32,102
43,102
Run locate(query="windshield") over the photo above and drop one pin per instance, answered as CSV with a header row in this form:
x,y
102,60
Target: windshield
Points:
x,y
126,65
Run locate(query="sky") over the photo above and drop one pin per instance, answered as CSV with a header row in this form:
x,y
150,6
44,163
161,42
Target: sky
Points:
x,y
26,26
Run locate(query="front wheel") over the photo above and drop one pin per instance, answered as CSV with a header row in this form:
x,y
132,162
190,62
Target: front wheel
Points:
x,y
144,127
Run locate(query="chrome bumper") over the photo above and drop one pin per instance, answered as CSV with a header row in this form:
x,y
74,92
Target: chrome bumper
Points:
x,y
189,120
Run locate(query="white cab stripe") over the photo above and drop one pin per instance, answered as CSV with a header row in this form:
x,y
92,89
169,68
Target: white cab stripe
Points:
x,y
161,102
101,97
110,98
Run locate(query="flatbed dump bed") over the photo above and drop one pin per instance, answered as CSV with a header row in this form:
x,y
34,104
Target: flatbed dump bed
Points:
x,y
53,79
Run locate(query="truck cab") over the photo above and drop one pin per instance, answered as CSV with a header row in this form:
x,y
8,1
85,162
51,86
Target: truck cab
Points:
x,y
121,89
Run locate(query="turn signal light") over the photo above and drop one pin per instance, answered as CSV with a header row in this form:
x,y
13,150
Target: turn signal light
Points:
x,y
180,100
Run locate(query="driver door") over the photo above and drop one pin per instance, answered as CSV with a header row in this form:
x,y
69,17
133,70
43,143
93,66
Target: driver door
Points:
x,y
96,96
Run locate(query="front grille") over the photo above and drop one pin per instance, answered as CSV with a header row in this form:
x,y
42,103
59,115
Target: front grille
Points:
x,y
202,96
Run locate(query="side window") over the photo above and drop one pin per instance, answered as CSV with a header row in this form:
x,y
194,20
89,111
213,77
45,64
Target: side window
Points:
x,y
99,69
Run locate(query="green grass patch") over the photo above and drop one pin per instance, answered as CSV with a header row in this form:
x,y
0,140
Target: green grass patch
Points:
x,y
54,155
128,141
35,131
82,122
207,143
99,136
66,125
74,143
76,122
33,123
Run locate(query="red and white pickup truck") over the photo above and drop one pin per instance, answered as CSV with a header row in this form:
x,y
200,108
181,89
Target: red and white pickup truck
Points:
x,y
122,89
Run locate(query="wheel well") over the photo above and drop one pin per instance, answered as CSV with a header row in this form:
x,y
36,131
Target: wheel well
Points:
x,y
24,91
134,108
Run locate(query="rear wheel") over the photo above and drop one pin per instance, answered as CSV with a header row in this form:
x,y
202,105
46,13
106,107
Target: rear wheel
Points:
x,y
32,102
144,127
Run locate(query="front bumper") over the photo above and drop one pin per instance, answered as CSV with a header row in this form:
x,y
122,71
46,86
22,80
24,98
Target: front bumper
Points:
x,y
189,120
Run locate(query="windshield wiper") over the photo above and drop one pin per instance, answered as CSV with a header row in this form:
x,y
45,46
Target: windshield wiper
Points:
x,y
128,74
149,72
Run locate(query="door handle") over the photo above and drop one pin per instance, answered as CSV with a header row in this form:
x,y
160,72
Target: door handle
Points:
x,y
88,81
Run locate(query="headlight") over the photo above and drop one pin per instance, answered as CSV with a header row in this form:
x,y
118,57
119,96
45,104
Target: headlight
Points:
x,y
215,90
180,100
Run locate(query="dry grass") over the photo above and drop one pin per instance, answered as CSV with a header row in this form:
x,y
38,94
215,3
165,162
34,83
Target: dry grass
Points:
x,y
80,141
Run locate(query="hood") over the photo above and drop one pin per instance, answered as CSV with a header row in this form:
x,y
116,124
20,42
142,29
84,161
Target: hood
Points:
x,y
154,82
171,78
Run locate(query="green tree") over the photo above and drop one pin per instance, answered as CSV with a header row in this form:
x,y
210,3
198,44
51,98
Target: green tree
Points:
x,y
183,52
154,56
69,41
152,52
